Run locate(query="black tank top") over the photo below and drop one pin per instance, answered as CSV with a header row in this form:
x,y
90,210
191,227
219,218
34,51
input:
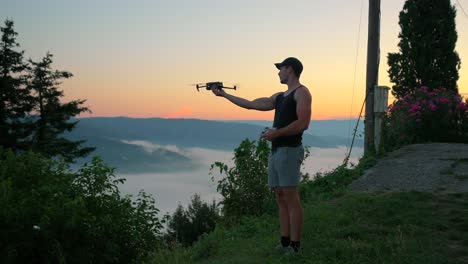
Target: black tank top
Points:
x,y
285,114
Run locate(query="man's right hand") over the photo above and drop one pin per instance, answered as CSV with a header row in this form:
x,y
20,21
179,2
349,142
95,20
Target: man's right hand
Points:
x,y
218,92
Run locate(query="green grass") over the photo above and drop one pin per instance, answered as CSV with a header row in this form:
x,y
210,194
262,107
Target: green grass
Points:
x,y
345,227
354,228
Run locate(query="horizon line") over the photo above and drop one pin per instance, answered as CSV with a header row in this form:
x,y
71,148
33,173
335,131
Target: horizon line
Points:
x,y
195,118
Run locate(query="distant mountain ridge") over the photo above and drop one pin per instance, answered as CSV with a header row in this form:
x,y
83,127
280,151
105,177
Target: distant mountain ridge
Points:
x,y
222,135
111,135
321,128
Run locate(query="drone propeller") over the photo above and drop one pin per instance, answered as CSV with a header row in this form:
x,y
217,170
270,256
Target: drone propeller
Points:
x,y
197,85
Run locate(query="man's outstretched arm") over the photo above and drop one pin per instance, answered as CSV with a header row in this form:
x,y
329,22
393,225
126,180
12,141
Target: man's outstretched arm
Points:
x,y
261,104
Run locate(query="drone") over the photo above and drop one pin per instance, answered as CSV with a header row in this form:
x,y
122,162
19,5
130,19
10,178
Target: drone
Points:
x,y
209,85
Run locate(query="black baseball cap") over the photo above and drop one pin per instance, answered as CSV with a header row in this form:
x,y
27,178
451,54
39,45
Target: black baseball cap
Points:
x,y
295,64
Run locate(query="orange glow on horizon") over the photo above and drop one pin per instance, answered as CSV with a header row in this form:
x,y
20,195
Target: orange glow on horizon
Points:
x,y
185,111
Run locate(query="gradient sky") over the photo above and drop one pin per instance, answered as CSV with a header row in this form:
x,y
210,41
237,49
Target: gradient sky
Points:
x,y
137,58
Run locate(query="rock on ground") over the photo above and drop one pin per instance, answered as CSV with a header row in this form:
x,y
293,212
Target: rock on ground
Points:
x,y
441,167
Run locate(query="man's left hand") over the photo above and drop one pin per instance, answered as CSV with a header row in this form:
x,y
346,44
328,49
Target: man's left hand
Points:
x,y
270,134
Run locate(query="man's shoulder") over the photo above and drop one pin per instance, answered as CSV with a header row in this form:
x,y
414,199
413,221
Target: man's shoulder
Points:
x,y
274,96
303,87
302,91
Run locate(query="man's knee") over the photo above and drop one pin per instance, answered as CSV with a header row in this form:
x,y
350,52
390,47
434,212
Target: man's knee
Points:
x,y
291,195
280,196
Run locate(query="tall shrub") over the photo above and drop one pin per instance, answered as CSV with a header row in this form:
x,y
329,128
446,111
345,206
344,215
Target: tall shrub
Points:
x,y
427,55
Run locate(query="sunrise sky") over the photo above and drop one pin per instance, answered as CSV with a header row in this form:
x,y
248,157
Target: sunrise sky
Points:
x,y
138,58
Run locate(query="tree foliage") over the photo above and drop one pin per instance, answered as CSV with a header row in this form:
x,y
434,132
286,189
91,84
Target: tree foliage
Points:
x,y
427,55
15,97
52,115
52,215
32,116
185,226
244,189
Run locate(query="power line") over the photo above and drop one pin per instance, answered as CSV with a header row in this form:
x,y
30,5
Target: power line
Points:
x,y
463,10
346,160
355,72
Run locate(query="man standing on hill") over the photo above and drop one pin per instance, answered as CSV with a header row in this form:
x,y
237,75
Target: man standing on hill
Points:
x,y
292,117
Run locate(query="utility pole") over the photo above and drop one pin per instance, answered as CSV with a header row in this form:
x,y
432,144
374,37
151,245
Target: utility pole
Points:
x,y
372,72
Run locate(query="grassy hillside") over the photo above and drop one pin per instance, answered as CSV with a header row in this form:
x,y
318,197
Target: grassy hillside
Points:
x,y
345,227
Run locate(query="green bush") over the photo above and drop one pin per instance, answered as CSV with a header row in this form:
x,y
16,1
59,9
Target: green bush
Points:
x,y
50,214
437,115
244,189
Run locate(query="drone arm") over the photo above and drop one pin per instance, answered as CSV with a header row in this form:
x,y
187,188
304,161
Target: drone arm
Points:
x,y
225,87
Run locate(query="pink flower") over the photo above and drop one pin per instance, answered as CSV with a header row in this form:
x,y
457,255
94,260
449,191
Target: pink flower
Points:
x,y
432,106
414,107
443,100
407,97
432,94
418,120
460,106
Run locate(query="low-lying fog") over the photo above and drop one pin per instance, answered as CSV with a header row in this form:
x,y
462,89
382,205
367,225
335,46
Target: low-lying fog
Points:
x,y
170,189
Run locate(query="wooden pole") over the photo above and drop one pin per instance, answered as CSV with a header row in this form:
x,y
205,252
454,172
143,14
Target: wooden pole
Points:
x,y
380,109
372,72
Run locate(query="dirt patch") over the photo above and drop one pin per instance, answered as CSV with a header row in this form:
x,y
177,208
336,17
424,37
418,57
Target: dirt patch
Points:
x,y
438,167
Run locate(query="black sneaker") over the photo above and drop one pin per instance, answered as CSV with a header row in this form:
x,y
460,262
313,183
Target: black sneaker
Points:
x,y
279,249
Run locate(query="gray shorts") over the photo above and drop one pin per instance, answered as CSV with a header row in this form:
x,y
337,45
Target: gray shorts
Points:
x,y
284,166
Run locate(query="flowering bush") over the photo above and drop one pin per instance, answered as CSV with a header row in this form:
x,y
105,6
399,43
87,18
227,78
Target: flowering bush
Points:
x,y
426,115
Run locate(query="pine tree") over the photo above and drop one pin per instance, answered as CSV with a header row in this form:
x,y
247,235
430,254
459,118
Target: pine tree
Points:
x,y
53,116
186,226
427,55
15,97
